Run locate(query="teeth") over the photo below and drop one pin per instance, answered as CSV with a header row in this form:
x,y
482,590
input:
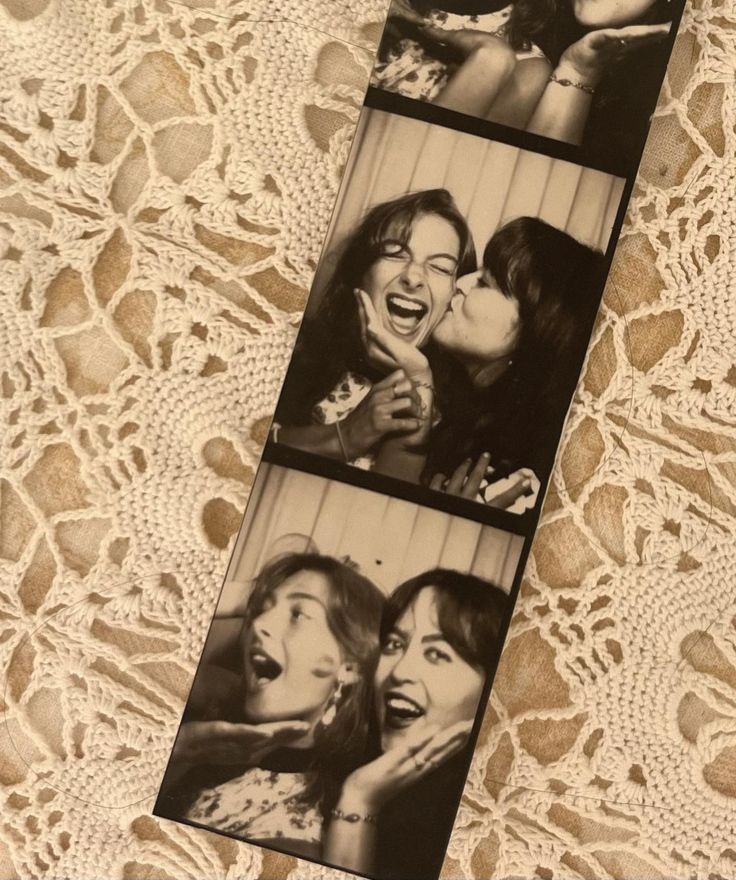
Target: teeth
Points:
x,y
403,706
408,305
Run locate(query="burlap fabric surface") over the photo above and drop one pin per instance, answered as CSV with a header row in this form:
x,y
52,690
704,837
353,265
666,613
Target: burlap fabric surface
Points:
x,y
167,172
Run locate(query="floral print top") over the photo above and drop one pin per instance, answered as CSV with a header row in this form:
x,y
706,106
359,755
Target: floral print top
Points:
x,y
339,403
260,804
411,71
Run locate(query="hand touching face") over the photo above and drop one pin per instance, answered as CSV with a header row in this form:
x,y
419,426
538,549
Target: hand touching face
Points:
x,y
421,680
411,282
291,657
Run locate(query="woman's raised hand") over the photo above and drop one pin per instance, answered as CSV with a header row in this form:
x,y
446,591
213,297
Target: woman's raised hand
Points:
x,y
371,786
588,59
466,479
385,350
221,742
392,406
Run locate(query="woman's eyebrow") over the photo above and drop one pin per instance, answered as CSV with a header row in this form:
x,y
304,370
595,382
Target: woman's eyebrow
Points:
x,y
308,596
434,637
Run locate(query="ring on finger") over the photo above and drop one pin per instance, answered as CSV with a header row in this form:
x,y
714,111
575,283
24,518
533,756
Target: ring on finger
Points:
x,y
418,763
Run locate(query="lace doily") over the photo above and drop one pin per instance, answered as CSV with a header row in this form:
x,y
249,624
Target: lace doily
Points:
x,y
167,172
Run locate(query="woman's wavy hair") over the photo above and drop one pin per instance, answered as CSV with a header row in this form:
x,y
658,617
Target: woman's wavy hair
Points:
x,y
557,283
354,610
470,612
330,342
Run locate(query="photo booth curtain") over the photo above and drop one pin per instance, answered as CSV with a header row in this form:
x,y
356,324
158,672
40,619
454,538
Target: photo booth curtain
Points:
x,y
491,182
389,539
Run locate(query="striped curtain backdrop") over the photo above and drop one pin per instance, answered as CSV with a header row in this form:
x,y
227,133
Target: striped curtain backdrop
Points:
x,y
389,539
491,182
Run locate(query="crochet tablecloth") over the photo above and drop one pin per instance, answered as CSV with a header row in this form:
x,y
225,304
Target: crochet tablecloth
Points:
x,y
167,173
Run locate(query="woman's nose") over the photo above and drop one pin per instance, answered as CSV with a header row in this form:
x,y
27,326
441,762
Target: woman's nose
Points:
x,y
413,275
266,623
405,669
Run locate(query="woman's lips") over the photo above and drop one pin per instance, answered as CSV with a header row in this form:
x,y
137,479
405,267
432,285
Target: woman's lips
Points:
x,y
263,668
400,711
404,313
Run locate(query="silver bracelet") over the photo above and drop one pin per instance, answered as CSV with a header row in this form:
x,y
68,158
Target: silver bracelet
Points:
x,y
589,90
337,813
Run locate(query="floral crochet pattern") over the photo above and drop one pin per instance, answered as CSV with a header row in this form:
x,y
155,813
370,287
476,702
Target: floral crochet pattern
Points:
x,y
167,173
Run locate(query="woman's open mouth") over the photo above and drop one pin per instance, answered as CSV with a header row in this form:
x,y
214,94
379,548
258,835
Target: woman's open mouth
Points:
x,y
404,313
400,711
264,669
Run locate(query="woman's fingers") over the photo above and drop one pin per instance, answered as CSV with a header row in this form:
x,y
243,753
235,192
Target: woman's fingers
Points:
x,y
438,482
476,475
504,500
438,748
456,481
405,426
398,405
628,39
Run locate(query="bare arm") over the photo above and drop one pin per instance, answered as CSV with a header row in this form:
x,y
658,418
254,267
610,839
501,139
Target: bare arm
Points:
x,y
350,840
317,439
351,844
562,112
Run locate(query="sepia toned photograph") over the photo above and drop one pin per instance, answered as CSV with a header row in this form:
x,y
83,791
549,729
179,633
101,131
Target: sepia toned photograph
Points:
x,y
584,72
450,312
332,713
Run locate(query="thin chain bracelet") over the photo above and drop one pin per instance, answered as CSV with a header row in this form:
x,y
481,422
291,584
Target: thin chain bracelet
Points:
x,y
337,813
569,82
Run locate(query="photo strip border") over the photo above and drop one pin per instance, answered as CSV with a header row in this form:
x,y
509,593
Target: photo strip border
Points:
x,y
524,525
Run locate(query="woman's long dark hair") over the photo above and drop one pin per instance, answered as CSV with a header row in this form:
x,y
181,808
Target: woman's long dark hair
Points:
x,y
557,282
354,612
414,827
330,343
470,612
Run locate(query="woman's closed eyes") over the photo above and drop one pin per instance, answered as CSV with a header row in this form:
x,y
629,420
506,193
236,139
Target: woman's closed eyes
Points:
x,y
441,264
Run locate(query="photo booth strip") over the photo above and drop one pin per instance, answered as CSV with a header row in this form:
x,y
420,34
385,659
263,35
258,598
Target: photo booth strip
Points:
x,y
302,502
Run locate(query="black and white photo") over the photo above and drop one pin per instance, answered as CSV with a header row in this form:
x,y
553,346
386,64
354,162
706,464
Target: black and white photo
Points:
x,y
450,312
332,713
585,72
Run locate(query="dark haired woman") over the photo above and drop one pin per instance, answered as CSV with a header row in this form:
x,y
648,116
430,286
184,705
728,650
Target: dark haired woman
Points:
x,y
406,254
505,360
609,61
290,724
440,639
472,56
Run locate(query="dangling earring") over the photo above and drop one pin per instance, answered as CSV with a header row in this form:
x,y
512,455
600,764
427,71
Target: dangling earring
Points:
x,y
330,713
